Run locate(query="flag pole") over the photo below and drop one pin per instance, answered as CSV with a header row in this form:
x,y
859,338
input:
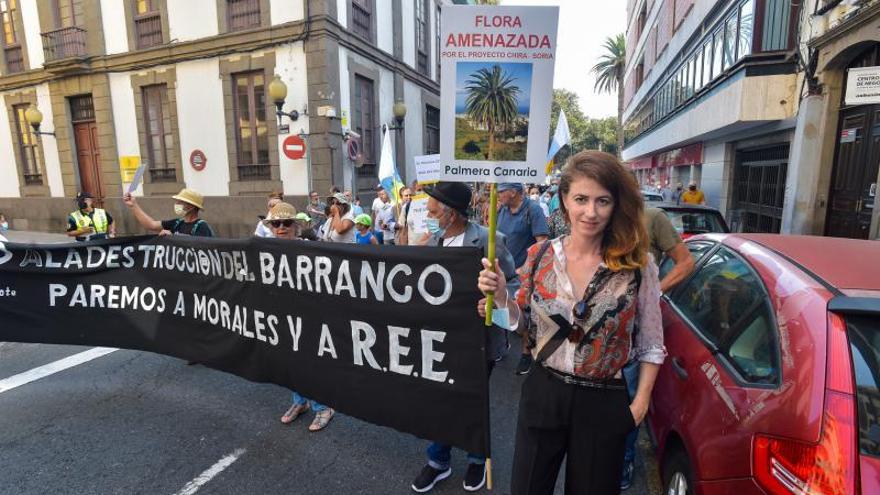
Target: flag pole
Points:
x,y
490,298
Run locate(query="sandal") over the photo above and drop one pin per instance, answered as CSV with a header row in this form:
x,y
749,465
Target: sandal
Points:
x,y
294,412
321,420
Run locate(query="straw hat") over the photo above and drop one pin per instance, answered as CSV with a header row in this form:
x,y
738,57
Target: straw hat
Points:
x,y
191,197
281,211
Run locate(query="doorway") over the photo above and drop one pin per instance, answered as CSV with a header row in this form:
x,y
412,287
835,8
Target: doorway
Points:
x,y
854,175
88,154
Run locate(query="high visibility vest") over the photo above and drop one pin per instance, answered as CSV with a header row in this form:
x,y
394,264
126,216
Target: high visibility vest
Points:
x,y
98,220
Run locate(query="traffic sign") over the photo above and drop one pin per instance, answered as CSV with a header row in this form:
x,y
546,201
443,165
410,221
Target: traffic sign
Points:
x,y
294,147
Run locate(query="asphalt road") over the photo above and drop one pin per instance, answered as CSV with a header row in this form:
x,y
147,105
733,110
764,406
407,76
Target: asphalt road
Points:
x,y
132,422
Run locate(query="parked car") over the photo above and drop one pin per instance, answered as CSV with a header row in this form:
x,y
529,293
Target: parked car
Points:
x,y
691,220
771,383
652,196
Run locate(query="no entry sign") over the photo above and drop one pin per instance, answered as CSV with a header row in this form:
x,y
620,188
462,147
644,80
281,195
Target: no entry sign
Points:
x,y
294,147
198,160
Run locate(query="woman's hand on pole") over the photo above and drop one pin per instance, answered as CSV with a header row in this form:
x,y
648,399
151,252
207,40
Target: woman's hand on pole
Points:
x,y
492,281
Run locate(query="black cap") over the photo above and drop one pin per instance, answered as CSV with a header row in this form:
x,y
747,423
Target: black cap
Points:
x,y
456,195
84,195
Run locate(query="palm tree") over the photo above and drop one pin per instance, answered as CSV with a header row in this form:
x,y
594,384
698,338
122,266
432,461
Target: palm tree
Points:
x,y
609,77
491,101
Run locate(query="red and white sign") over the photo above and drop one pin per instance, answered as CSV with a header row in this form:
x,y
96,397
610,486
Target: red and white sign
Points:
x,y
198,160
294,147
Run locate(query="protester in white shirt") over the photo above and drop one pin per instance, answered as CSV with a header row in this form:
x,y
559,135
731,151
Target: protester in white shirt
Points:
x,y
340,222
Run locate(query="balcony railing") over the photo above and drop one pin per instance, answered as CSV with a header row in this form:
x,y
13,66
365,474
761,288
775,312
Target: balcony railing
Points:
x,y
243,14
14,59
149,30
64,43
163,174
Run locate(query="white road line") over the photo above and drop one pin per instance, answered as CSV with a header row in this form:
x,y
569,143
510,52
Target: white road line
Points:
x,y
20,379
209,474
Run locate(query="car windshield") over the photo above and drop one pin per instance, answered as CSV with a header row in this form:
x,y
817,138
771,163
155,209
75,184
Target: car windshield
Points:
x,y
864,340
652,196
695,221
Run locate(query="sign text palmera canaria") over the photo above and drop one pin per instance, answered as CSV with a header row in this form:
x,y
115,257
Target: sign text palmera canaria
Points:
x,y
497,40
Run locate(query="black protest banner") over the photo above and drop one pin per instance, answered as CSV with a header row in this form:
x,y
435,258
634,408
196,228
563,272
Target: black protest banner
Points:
x,y
389,335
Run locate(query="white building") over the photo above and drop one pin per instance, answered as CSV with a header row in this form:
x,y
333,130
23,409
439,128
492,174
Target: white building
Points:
x,y
183,86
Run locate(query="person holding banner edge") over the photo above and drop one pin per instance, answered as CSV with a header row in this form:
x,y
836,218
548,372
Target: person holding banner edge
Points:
x,y
588,292
449,226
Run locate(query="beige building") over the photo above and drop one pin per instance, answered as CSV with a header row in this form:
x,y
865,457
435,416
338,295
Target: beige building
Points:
x,y
183,86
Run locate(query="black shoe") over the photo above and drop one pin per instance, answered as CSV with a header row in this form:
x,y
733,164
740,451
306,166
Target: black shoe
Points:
x,y
475,477
525,364
626,478
429,477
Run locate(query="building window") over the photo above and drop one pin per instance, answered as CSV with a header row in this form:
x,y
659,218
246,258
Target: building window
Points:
x,y
437,40
641,21
718,55
707,62
730,41
365,123
27,147
362,18
157,130
423,36
432,130
251,132
746,23
11,47
147,23
242,14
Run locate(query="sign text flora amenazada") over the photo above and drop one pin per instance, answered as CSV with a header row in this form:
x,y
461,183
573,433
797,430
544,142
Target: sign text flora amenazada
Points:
x,y
496,86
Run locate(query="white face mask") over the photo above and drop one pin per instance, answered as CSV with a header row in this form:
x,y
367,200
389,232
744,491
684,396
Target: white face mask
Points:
x,y
179,210
534,197
4,226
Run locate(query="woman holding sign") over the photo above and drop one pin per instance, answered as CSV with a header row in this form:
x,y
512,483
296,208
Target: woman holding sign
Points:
x,y
588,292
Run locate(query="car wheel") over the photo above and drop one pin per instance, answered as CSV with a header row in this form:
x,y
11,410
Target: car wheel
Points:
x,y
677,479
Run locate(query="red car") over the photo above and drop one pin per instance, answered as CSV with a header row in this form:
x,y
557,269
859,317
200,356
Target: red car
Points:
x,y
771,383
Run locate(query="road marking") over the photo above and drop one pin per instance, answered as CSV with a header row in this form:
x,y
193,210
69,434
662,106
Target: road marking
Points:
x,y
209,474
35,374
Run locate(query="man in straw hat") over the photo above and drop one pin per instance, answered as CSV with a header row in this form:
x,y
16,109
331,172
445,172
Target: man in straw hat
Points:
x,y
187,205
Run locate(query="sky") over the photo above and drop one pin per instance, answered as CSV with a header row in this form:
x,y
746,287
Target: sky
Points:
x,y
521,75
583,27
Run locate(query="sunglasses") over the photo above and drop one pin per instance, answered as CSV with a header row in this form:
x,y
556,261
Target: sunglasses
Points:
x,y
279,223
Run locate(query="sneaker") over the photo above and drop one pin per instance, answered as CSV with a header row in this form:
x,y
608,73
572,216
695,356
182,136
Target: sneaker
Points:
x,y
429,477
475,477
525,364
626,479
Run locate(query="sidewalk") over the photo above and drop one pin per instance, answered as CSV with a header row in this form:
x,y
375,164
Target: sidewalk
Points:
x,y
27,236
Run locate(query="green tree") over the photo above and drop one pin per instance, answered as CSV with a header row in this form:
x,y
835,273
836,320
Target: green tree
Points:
x,y
491,101
609,76
586,133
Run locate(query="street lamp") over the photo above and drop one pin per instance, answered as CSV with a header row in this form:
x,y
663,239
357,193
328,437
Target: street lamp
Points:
x,y
399,112
34,117
277,93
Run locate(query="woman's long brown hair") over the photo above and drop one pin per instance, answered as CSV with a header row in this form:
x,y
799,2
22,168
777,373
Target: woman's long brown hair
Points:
x,y
625,240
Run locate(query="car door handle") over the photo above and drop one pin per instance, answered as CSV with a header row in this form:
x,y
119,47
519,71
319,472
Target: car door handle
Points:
x,y
678,367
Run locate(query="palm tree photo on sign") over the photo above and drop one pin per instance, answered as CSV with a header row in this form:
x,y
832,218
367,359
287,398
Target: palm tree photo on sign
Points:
x,y
609,76
492,111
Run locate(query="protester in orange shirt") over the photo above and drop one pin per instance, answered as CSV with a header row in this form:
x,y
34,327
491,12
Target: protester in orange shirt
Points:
x,y
693,196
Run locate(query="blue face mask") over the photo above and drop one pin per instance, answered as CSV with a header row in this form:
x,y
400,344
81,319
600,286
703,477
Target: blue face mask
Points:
x,y
434,228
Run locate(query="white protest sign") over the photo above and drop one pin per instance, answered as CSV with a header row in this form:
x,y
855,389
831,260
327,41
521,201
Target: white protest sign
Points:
x,y
427,168
496,88
418,212
138,176
863,86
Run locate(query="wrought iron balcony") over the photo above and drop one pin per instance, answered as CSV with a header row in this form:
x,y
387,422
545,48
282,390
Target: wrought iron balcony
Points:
x,y
60,44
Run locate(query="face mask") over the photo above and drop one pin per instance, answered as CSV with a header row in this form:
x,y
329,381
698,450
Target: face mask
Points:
x,y
4,226
179,210
693,188
434,228
534,197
